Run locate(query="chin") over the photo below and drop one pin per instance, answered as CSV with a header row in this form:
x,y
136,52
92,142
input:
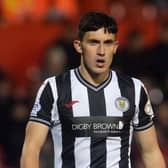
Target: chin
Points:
x,y
100,71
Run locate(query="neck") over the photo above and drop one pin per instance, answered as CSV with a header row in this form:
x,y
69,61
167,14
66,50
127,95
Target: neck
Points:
x,y
94,79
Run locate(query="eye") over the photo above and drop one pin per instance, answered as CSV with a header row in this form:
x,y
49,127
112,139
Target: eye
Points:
x,y
109,42
93,42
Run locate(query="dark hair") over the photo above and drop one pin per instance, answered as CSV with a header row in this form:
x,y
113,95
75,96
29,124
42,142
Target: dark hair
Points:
x,y
93,21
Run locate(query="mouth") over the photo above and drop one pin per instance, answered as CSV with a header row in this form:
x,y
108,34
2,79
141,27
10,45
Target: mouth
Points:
x,y
100,62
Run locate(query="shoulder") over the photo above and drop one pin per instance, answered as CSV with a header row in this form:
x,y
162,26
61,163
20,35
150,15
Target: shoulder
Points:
x,y
61,77
64,78
127,80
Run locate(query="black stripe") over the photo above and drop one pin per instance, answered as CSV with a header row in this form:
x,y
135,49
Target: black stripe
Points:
x,y
126,86
98,145
64,96
144,119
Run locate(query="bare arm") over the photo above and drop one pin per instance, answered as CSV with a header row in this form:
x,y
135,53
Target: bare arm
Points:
x,y
149,148
36,134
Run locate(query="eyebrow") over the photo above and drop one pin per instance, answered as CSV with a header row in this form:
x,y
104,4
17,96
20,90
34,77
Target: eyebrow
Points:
x,y
109,41
97,41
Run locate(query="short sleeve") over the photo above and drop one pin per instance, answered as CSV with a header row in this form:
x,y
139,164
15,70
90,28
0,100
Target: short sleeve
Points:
x,y
143,117
43,108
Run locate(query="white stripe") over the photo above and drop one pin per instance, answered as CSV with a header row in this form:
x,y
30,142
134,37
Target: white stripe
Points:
x,y
79,93
57,142
111,93
82,152
81,108
113,145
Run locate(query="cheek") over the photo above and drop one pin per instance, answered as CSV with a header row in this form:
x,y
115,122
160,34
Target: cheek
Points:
x,y
88,54
88,58
110,55
110,60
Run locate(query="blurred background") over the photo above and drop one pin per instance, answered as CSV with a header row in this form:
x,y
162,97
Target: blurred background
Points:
x,y
36,42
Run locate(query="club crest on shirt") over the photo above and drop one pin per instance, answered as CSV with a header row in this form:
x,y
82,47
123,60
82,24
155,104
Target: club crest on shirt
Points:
x,y
122,104
148,108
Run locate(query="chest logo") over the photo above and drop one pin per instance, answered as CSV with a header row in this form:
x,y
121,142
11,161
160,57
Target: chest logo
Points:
x,y
71,103
122,104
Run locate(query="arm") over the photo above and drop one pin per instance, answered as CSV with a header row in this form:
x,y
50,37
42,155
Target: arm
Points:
x,y
36,134
149,148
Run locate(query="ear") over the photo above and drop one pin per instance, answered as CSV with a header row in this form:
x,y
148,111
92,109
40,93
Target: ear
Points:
x,y
77,46
116,47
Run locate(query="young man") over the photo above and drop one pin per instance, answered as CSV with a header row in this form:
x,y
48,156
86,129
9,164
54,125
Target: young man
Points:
x,y
92,110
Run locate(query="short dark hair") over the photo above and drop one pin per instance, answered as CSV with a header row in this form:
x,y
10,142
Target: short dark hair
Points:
x,y
93,21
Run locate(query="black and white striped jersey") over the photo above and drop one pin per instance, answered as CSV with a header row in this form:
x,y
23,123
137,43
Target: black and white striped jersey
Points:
x,y
92,126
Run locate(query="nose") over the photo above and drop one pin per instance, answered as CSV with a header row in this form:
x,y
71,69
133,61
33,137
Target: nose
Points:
x,y
101,50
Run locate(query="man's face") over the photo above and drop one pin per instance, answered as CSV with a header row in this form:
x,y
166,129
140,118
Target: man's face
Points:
x,y
97,49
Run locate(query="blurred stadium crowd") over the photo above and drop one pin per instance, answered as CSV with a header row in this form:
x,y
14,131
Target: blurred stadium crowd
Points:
x,y
143,53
